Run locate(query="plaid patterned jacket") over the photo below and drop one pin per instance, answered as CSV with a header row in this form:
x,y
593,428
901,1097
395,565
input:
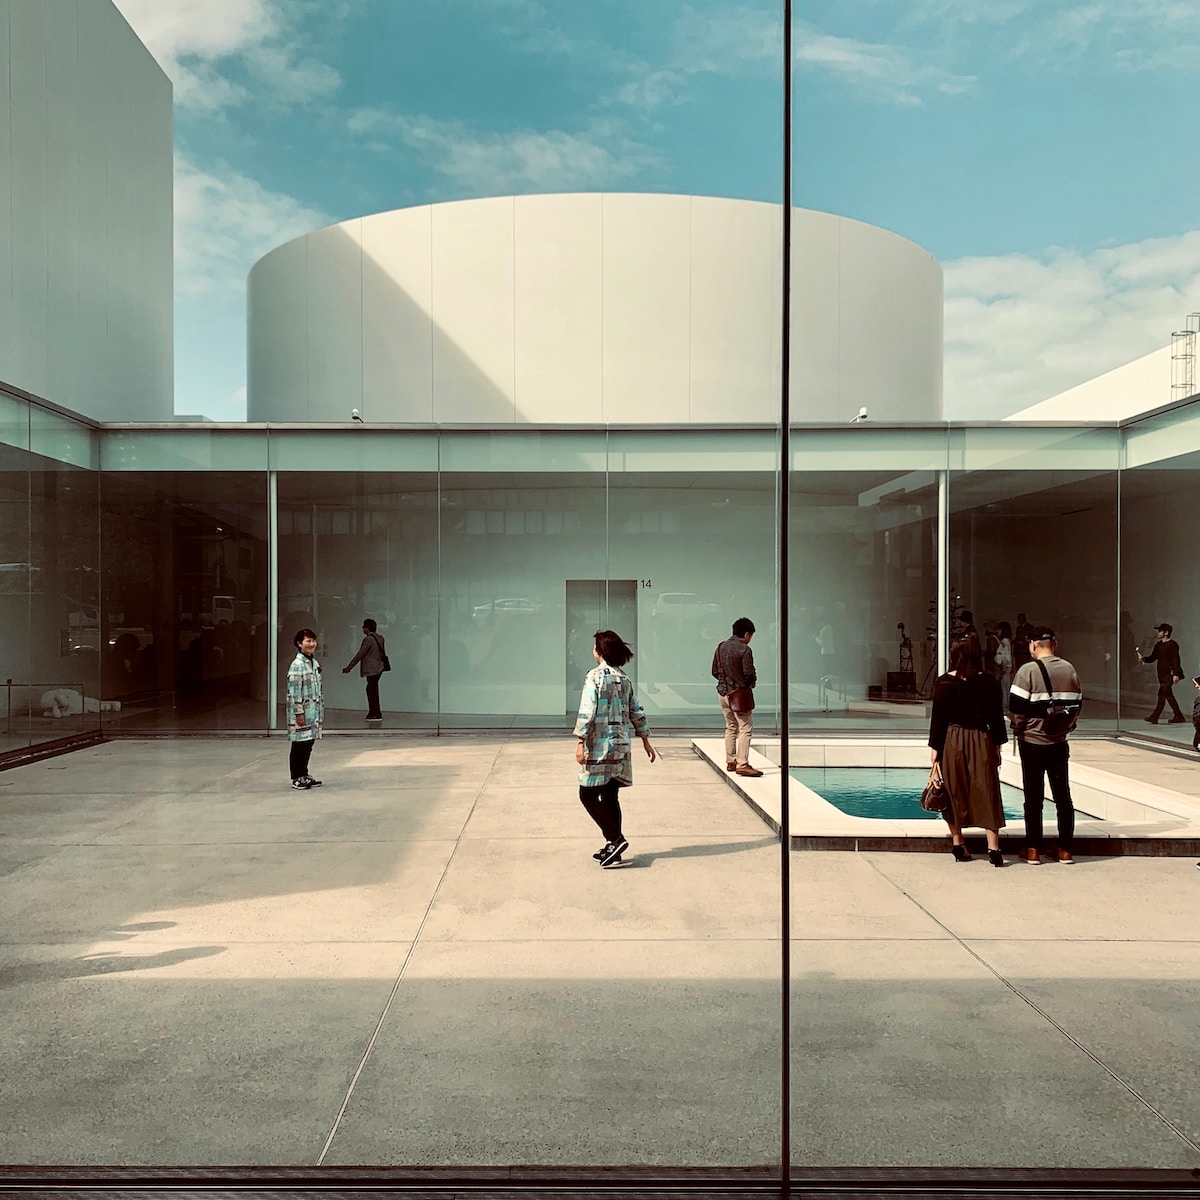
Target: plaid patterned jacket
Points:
x,y
304,699
608,709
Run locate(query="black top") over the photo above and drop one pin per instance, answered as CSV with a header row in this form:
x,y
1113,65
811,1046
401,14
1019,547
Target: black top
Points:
x,y
1165,657
974,703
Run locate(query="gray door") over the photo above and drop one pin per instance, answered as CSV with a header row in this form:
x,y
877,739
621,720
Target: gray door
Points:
x,y
596,604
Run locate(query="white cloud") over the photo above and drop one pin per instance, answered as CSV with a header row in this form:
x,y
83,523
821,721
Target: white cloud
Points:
x,y
890,73
600,156
1132,34
1021,328
224,222
743,40
197,42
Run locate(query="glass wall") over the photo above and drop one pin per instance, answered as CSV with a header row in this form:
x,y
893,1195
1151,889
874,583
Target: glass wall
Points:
x,y
1160,567
141,590
1033,541
864,570
185,600
51,650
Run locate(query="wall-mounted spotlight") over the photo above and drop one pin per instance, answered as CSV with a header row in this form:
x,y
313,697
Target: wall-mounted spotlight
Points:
x,y
862,416
355,415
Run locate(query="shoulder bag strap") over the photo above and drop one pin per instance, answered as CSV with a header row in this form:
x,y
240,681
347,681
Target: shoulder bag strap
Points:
x,y
1046,677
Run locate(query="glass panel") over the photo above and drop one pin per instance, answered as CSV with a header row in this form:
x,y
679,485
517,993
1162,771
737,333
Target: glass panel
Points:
x,y
16,646
60,439
523,518
49,578
184,610
1160,549
186,448
362,546
864,506
1033,540
66,690
691,528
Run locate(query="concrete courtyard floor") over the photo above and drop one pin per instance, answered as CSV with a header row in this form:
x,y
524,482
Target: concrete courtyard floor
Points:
x,y
419,963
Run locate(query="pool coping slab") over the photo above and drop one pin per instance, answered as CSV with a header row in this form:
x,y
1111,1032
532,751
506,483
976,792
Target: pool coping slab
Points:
x,y
1159,821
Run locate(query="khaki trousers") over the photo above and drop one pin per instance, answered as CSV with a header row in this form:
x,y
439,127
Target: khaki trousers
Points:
x,y
738,728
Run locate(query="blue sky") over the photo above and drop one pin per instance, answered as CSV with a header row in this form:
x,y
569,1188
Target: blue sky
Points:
x,y
1044,151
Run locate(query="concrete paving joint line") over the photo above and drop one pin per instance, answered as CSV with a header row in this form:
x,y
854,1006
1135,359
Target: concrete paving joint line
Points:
x,y
1037,1008
387,1006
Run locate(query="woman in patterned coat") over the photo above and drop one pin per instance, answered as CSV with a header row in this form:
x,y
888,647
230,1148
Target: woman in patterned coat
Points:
x,y
306,709
608,711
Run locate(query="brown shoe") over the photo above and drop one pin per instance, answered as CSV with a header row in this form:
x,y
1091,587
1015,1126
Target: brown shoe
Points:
x,y
731,767
1064,856
1031,856
749,771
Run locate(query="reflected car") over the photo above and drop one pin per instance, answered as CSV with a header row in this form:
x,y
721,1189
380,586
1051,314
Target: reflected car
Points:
x,y
507,606
685,605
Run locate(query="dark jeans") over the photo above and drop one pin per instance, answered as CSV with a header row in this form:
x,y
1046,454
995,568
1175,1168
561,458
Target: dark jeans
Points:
x,y
373,709
298,758
604,808
1037,762
1166,696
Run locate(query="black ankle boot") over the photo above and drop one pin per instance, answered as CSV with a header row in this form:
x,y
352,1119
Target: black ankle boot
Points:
x,y
995,858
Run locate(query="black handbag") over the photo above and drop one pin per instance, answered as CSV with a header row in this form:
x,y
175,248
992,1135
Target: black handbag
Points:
x,y
935,798
387,662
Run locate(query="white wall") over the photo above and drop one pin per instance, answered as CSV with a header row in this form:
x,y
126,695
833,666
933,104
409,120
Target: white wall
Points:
x,y
592,308
86,269
1124,392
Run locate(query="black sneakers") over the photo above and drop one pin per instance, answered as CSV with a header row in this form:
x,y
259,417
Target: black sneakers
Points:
x,y
309,781
610,856
300,783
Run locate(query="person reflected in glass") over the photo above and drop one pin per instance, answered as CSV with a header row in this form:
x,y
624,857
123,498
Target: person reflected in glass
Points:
x,y
1004,656
966,731
306,708
608,712
1021,636
370,658
1165,656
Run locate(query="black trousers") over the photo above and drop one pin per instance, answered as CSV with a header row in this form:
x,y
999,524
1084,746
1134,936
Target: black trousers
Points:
x,y
298,758
373,710
1038,762
1166,696
604,808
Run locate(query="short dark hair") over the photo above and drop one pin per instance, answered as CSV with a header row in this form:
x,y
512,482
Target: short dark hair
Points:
x,y
301,634
612,648
369,624
742,626
966,657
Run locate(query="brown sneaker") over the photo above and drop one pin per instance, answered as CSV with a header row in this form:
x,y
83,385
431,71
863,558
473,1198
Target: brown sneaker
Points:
x,y
1031,856
1064,856
749,771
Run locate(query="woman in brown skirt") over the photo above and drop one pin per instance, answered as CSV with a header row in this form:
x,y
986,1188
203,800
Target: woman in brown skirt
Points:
x,y
966,731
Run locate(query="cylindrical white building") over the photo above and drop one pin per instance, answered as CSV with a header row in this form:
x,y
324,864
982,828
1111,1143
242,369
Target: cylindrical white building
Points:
x,y
592,308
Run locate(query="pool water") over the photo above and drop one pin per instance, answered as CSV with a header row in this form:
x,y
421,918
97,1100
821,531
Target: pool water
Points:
x,y
888,792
